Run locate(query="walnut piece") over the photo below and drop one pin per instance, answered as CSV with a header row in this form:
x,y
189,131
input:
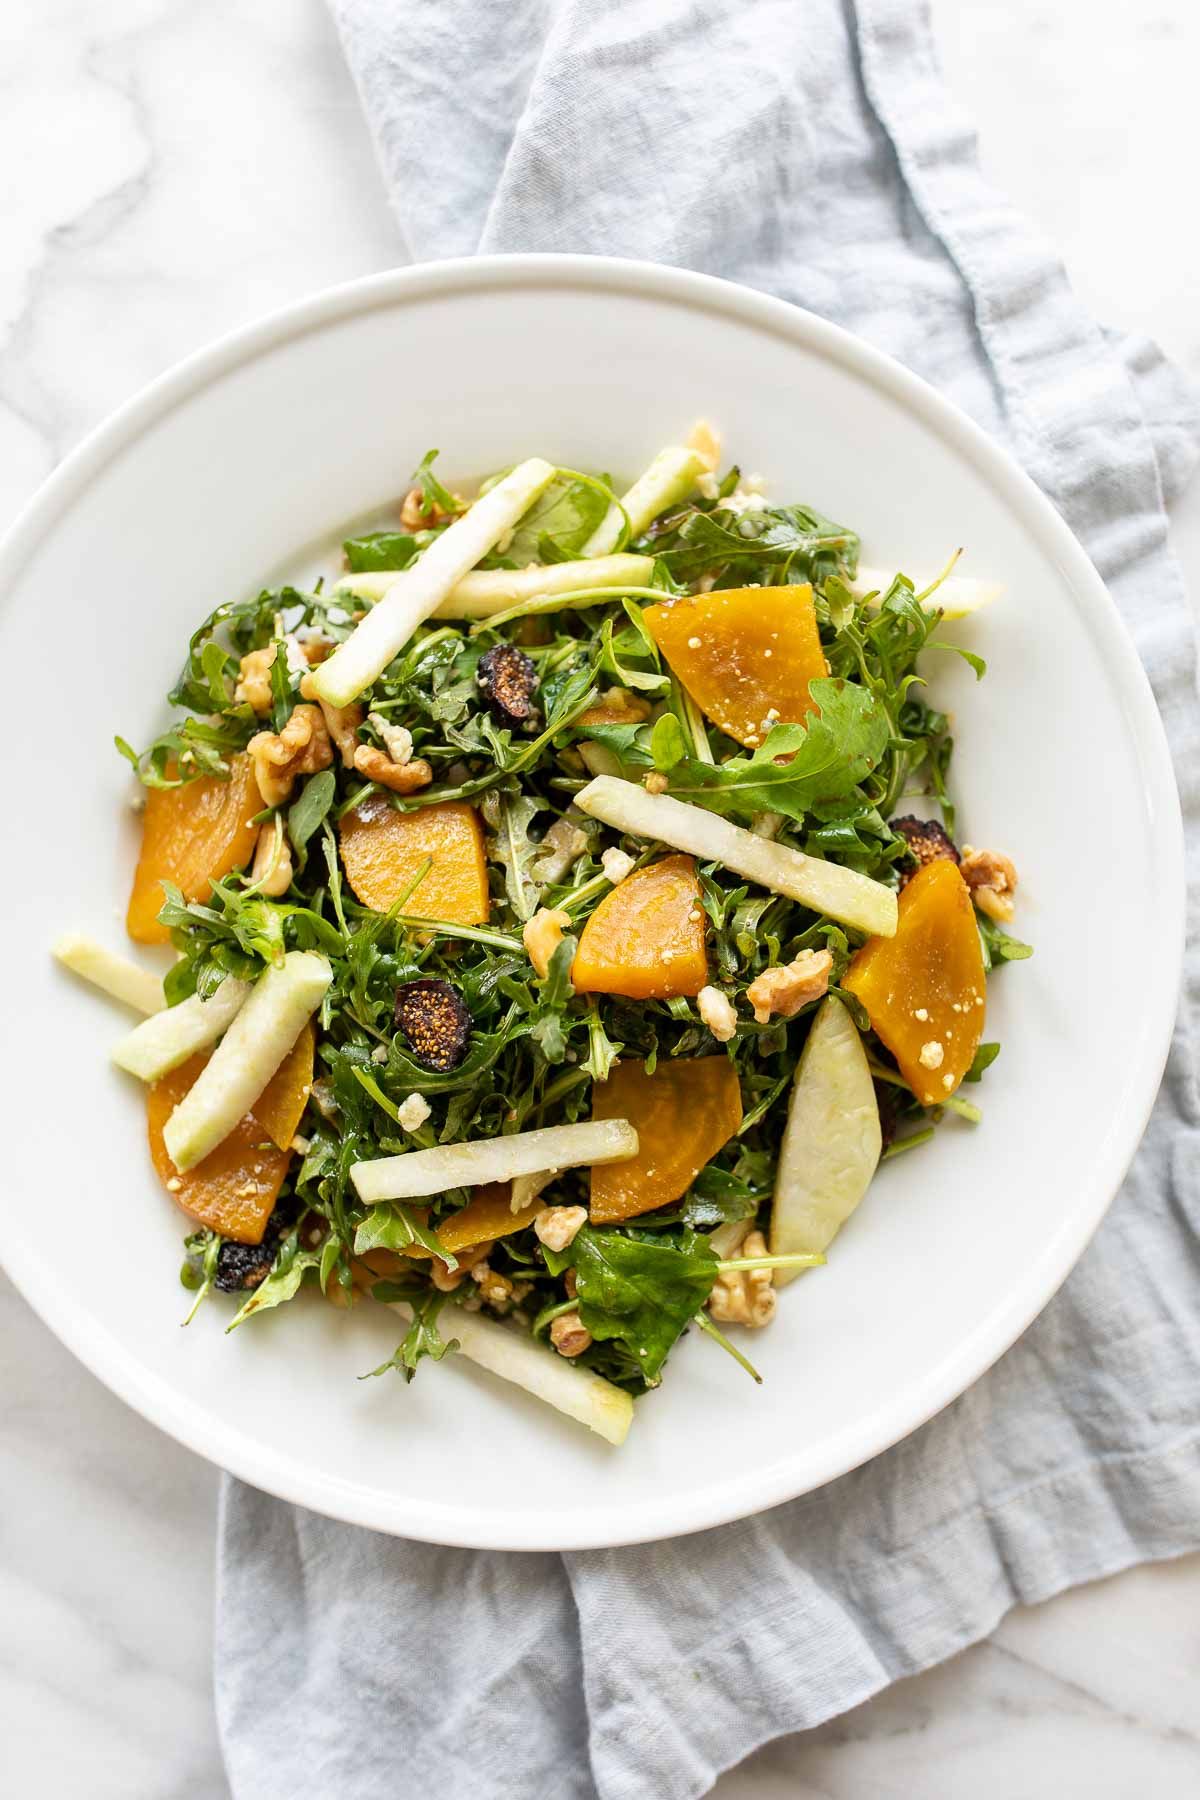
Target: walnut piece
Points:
x,y
569,1335
718,1013
341,722
254,680
497,1289
419,514
558,1226
272,870
632,708
542,935
745,1296
992,879
301,748
402,778
787,987
655,782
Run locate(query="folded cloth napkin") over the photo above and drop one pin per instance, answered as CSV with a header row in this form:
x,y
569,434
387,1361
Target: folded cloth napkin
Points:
x,y
811,150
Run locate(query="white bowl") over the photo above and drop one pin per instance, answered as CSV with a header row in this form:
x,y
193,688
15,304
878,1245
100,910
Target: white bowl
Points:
x,y
221,477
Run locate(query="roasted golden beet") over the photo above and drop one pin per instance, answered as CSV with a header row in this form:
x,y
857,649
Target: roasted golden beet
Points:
x,y
280,1106
383,849
745,655
233,1191
683,1114
645,940
488,1215
924,989
191,835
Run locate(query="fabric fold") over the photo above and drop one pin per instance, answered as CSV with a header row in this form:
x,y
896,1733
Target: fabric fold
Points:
x,y
811,151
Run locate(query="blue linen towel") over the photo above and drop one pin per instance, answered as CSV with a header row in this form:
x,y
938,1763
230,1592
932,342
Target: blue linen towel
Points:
x,y
810,150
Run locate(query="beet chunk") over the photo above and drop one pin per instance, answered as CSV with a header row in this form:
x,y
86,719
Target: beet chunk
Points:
x,y
509,681
434,1022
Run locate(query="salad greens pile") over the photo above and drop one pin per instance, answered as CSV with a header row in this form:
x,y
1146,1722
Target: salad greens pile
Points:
x,y
830,787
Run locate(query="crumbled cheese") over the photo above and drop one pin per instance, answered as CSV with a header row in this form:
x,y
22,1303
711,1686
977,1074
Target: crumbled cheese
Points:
x,y
718,1013
396,739
617,864
379,1053
413,1112
174,1186
694,643
921,1013
947,1082
931,1055
301,1145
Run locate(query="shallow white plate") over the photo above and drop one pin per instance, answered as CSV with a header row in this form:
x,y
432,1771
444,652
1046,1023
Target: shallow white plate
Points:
x,y
216,480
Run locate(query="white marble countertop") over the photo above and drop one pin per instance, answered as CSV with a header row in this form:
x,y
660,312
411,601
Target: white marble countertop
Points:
x,y
168,172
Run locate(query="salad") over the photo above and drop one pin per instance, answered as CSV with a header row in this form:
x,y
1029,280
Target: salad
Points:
x,y
562,937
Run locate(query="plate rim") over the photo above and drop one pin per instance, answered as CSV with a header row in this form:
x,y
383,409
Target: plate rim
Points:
x,y
798,1472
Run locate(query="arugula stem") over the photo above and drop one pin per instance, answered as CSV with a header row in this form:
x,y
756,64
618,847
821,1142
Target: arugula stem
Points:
x,y
469,934
706,1325
797,1260
575,597
907,1143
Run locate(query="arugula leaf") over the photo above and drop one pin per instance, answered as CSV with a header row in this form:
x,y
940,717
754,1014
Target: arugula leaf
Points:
x,y
420,1340
515,850
558,524
797,766
643,1294
306,812
998,946
395,1226
983,1059
381,550
282,1284
433,494
799,541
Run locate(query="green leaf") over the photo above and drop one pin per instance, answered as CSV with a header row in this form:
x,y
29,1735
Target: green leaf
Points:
x,y
668,746
307,811
515,850
842,743
643,1294
395,1226
422,1339
381,550
998,946
281,1285
433,494
983,1059
558,524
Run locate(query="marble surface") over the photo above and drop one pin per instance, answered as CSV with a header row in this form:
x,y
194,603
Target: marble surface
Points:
x,y
169,171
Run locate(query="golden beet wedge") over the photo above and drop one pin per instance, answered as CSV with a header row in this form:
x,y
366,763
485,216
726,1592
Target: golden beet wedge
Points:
x,y
234,1189
745,655
645,940
925,989
383,849
191,835
488,1215
683,1114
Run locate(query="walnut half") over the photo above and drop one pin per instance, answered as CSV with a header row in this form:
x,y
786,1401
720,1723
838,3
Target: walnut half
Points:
x,y
786,987
745,1296
992,879
301,748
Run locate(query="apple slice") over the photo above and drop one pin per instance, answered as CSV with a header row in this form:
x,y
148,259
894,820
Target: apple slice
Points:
x,y
115,975
514,1356
831,1142
419,590
419,1173
166,1039
487,591
671,477
956,597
